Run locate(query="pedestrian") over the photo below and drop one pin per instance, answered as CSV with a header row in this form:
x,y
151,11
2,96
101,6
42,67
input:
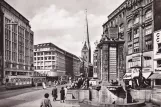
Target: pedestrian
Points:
x,y
49,83
54,93
65,89
62,95
43,85
46,102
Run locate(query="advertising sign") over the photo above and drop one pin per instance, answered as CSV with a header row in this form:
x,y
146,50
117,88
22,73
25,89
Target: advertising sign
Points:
x,y
113,32
157,44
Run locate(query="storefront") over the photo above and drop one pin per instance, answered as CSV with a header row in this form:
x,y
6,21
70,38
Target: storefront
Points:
x,y
156,77
134,66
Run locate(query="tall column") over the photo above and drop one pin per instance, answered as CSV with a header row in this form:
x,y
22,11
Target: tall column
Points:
x,y
105,62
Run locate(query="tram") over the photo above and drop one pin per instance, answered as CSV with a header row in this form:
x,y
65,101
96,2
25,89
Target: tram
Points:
x,y
23,81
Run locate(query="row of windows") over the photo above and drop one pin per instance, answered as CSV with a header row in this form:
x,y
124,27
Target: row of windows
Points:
x,y
147,30
44,53
45,58
147,16
135,48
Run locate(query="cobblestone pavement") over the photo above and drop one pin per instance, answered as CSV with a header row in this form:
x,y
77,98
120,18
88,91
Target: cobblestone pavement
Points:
x,y
32,99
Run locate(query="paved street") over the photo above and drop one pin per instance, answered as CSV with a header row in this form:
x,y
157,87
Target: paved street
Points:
x,y
31,99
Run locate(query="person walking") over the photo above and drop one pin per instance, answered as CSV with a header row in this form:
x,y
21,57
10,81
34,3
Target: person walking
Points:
x,y
65,89
54,93
46,102
62,95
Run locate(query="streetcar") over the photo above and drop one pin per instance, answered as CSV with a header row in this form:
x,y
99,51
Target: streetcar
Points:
x,y
13,82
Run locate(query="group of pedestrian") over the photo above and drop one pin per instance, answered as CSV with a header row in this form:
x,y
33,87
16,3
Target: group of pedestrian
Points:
x,y
46,101
82,83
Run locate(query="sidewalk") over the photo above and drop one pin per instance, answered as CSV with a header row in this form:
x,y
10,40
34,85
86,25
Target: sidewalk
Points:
x,y
54,104
33,99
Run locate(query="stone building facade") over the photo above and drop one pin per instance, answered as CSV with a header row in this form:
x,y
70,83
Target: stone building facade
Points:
x,y
136,21
16,43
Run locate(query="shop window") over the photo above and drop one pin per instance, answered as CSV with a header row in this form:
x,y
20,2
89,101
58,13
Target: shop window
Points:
x,y
159,63
158,82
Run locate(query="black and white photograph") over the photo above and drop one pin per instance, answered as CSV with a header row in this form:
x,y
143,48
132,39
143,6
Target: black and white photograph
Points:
x,y
80,53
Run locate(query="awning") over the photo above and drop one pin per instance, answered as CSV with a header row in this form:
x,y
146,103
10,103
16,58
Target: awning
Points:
x,y
127,76
155,76
137,66
146,74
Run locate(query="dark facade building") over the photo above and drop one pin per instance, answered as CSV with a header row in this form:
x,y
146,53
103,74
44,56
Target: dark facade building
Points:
x,y
16,43
53,61
136,21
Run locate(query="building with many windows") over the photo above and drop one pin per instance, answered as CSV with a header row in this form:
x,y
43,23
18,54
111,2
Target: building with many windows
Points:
x,y
136,21
52,61
16,43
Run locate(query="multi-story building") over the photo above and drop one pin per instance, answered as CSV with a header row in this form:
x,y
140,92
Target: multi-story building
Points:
x,y
136,21
16,43
52,61
95,63
76,65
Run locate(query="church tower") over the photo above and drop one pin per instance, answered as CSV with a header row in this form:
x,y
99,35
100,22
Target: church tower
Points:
x,y
86,50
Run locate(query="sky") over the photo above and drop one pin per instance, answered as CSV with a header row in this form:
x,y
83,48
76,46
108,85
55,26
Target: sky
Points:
x,y
62,22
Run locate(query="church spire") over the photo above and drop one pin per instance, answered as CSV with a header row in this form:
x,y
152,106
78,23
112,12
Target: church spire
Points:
x,y
86,50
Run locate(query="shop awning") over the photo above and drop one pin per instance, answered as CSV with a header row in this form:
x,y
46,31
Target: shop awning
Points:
x,y
127,76
146,74
155,76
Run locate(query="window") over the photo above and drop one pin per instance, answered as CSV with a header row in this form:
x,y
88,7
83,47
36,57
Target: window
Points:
x,y
129,36
136,19
136,32
149,45
159,47
53,57
136,47
148,30
147,61
129,24
130,49
121,28
158,82
148,14
158,63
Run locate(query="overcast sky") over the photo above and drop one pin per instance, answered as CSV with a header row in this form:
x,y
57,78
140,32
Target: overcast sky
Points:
x,y
62,22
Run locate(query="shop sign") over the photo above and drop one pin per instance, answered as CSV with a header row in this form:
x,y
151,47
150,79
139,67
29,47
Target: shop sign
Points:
x,y
157,70
157,42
